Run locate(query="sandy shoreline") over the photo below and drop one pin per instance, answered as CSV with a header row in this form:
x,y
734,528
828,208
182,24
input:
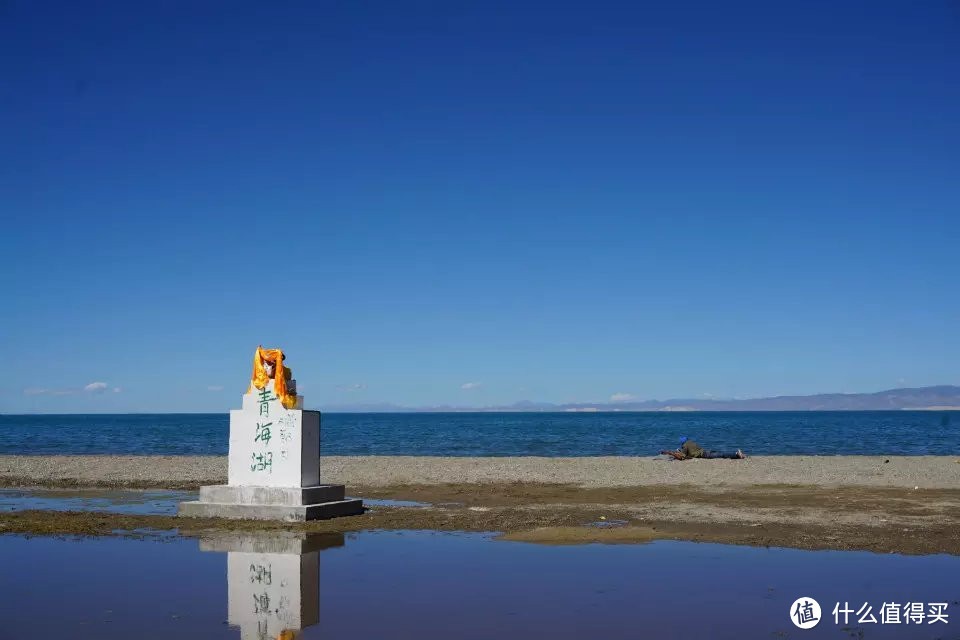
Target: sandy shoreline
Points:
x,y
926,472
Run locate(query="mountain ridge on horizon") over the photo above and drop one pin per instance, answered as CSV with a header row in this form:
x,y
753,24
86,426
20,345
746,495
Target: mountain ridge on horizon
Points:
x,y
945,397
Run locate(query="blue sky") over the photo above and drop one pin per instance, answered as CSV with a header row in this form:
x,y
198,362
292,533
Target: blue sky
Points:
x,y
477,203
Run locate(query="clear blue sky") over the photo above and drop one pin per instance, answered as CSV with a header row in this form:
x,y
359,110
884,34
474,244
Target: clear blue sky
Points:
x,y
547,201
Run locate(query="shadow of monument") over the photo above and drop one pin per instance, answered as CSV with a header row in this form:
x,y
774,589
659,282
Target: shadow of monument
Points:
x,y
273,581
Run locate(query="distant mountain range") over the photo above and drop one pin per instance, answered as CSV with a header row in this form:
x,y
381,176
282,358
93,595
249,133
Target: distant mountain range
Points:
x,y
942,397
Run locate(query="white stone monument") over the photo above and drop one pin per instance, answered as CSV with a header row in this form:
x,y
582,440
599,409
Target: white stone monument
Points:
x,y
274,466
273,582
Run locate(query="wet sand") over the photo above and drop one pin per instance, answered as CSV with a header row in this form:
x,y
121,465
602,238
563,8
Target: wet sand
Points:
x,y
906,505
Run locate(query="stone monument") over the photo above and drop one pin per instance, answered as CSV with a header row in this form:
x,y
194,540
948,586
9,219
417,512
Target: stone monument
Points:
x,y
273,581
274,462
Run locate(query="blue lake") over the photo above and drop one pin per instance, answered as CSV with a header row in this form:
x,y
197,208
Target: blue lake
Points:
x,y
436,585
507,434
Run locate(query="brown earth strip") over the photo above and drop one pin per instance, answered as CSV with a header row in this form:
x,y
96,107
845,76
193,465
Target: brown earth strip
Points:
x,y
880,499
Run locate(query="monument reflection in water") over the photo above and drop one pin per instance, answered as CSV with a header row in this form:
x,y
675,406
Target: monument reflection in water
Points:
x,y
273,581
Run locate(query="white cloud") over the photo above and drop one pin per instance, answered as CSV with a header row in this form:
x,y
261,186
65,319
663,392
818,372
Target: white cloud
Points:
x,y
622,397
215,387
96,387
117,389
466,386
357,386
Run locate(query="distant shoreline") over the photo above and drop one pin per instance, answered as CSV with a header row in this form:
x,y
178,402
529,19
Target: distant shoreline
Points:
x,y
500,411
932,398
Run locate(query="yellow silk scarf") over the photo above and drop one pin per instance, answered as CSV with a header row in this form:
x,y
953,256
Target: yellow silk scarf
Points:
x,y
280,375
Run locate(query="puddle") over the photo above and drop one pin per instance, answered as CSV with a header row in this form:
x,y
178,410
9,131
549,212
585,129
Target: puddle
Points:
x,y
155,502
606,524
383,502
435,585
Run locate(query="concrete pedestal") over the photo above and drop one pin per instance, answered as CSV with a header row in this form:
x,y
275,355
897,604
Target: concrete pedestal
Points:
x,y
289,504
274,467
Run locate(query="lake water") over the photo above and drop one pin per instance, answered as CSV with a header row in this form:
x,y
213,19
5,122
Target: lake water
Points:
x,y
507,434
435,585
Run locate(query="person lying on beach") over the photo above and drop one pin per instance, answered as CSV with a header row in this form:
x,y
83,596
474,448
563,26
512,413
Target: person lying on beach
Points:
x,y
690,449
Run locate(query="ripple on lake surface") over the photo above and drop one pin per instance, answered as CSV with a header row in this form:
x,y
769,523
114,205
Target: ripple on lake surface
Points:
x,y
434,585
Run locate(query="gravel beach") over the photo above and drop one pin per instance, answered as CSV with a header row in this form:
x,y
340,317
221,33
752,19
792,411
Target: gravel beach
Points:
x,y
927,472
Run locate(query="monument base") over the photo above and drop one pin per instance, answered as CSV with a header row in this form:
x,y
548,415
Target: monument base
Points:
x,y
287,504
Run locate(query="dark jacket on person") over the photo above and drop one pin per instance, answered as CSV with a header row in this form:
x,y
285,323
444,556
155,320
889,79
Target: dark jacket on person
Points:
x,y
691,449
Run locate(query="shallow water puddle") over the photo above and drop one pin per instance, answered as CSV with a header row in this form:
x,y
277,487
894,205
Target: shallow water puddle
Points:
x,y
384,502
129,501
607,524
433,585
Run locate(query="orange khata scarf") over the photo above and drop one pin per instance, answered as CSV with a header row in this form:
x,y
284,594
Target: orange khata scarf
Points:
x,y
280,375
